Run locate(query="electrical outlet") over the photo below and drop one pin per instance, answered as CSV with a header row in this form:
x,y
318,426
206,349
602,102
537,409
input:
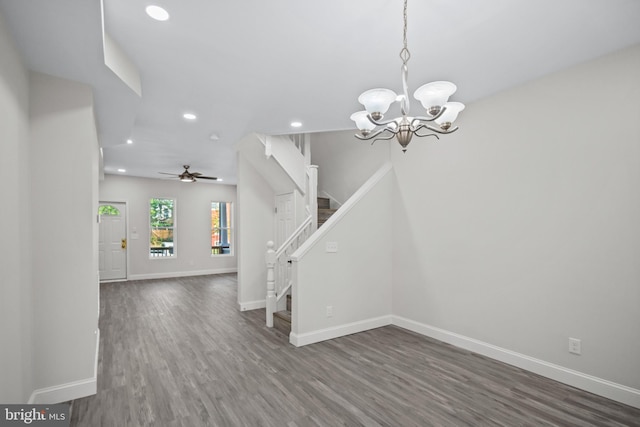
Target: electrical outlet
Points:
x,y
329,311
575,346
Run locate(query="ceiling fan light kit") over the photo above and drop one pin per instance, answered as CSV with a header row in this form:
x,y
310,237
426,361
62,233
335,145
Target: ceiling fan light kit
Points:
x,y
433,96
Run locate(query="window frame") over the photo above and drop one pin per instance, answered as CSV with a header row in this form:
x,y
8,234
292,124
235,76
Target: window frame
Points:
x,y
229,228
174,247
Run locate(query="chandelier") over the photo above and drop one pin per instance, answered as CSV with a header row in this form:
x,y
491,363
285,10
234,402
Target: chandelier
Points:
x,y
433,96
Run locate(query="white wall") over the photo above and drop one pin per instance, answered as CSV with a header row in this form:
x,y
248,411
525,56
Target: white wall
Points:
x,y
356,280
522,229
15,282
64,159
345,163
255,227
193,224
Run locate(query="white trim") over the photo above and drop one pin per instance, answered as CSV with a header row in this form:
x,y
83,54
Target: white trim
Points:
x,y
126,233
64,392
595,385
252,305
346,207
95,362
113,281
173,274
300,340
232,220
69,391
174,228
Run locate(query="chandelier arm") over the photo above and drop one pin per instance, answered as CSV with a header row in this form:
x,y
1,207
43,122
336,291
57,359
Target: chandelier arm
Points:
x,y
374,134
435,129
425,134
429,119
385,138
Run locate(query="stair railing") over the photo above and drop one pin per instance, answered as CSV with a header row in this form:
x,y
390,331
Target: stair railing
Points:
x,y
311,195
302,141
279,266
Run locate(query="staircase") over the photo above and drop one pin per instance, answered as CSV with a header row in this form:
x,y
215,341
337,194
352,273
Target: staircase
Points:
x,y
282,319
324,210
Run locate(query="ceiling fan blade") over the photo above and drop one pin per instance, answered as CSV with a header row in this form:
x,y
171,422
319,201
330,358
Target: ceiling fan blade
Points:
x,y
207,177
195,173
165,173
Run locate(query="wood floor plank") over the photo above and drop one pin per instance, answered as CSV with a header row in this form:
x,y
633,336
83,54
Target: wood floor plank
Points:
x,y
177,352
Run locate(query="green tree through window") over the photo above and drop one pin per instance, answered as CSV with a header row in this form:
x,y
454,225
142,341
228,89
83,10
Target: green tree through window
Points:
x,y
162,227
221,242
108,210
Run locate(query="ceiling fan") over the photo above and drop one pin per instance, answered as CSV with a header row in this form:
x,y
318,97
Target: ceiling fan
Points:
x,y
187,176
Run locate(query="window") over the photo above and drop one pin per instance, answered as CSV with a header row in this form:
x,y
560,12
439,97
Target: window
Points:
x,y
162,217
221,241
108,210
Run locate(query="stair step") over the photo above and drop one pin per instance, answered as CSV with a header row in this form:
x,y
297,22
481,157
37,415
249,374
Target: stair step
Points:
x,y
324,203
324,214
282,321
284,315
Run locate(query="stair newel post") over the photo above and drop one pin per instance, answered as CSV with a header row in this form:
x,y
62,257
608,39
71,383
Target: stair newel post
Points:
x,y
313,195
307,149
270,259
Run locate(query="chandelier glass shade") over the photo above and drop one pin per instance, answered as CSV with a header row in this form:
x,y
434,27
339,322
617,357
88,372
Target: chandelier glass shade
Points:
x,y
434,97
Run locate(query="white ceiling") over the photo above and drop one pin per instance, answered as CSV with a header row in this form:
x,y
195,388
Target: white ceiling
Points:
x,y
256,65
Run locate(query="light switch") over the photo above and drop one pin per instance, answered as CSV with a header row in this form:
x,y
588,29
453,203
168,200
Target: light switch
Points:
x,y
331,247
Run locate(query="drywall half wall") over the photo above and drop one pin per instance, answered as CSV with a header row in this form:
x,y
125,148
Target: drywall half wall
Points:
x,y
342,273
256,219
192,230
345,163
521,230
64,172
15,283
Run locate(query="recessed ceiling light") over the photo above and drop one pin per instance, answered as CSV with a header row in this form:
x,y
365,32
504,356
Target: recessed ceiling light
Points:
x,y
157,13
219,179
214,137
122,170
189,116
129,141
296,124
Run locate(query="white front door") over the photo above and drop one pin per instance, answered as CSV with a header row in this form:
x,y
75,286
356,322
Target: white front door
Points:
x,y
112,244
285,217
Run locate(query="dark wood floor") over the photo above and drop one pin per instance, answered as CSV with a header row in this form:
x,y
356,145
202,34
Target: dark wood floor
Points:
x,y
178,353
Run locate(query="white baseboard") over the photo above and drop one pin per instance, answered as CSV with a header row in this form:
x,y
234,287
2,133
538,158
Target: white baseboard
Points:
x,y
338,331
169,275
95,362
69,391
64,392
113,281
610,390
252,305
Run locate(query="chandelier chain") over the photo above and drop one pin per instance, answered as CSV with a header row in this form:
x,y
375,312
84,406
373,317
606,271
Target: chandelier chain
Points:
x,y
404,53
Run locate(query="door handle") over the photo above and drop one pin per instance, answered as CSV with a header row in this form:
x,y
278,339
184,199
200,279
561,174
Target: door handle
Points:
x,y
123,243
